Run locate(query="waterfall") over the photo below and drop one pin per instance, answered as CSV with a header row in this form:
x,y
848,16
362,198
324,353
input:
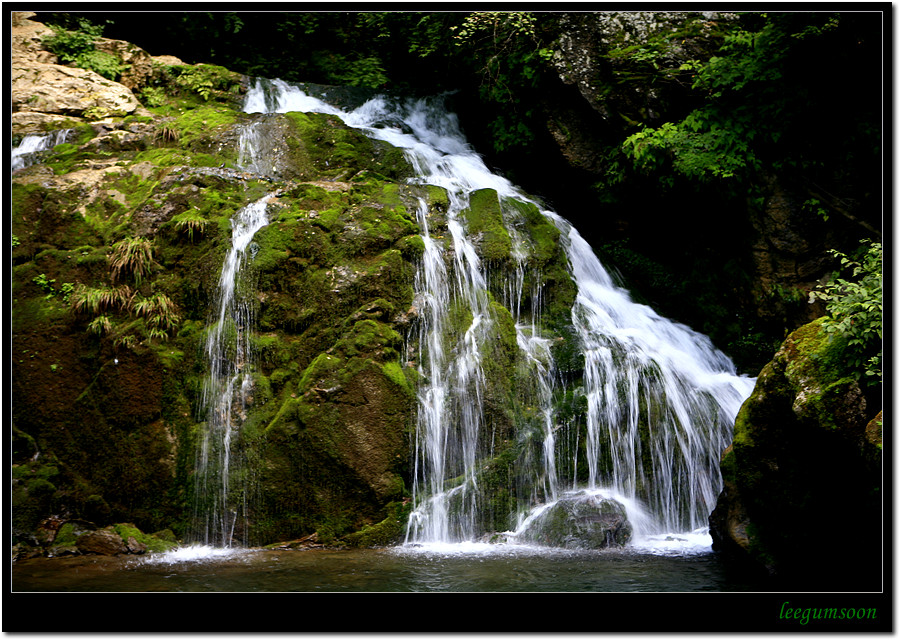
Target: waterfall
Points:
x,y
31,145
660,399
220,502
226,392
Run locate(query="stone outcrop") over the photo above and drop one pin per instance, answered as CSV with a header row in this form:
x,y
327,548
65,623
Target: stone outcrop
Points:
x,y
585,57
803,477
105,423
45,93
102,543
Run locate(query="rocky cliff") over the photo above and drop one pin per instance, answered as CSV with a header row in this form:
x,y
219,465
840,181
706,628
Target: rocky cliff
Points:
x,y
107,348
804,481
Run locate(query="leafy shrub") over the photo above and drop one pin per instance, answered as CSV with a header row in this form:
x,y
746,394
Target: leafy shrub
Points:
x,y
76,48
153,97
855,305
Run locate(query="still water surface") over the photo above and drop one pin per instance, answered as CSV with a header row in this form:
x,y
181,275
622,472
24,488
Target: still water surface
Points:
x,y
473,568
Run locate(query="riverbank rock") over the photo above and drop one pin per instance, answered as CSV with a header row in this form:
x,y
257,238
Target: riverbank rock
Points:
x,y
803,478
102,543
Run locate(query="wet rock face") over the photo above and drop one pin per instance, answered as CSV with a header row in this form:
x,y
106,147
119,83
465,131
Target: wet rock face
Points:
x,y
106,419
586,56
804,445
581,522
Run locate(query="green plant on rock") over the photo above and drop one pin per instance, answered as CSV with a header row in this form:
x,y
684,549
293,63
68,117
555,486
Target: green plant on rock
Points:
x,y
153,97
132,256
94,300
65,290
45,284
855,307
100,326
202,80
77,48
190,222
160,313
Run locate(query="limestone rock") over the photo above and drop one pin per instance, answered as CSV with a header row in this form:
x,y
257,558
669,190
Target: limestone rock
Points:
x,y
26,38
134,546
581,60
25,122
171,61
39,85
139,63
55,89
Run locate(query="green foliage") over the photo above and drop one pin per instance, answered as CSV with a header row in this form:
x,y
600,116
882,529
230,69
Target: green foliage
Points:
x,y
45,284
203,81
761,103
697,148
65,290
94,300
365,71
77,48
68,46
132,256
190,222
508,49
855,307
153,96
160,313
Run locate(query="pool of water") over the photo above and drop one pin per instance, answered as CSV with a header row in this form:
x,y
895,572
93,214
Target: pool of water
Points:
x,y
448,568
667,585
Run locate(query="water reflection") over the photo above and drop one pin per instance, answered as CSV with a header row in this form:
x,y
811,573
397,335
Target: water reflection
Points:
x,y
494,568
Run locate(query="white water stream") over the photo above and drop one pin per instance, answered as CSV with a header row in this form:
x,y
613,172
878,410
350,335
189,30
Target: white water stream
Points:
x,y
661,400
31,145
228,385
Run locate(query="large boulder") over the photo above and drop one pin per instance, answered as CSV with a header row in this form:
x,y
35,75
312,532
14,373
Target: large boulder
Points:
x,y
802,479
582,521
52,88
104,543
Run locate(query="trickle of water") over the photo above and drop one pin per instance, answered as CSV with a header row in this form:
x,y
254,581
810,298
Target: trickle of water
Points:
x,y
31,145
228,385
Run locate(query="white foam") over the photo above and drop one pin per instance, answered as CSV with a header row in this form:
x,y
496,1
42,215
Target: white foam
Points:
x,y
194,553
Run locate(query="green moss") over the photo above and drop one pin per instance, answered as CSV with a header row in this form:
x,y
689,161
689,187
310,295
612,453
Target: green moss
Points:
x,y
389,531
395,374
484,217
153,543
437,197
66,535
542,235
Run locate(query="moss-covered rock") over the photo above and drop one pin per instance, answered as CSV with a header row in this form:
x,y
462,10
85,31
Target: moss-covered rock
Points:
x,y
484,225
804,452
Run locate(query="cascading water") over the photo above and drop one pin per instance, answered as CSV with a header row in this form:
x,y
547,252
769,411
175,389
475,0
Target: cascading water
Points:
x,y
221,490
660,399
227,388
31,145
